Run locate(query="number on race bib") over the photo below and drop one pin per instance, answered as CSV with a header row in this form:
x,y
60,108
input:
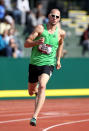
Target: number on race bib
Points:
x,y
45,48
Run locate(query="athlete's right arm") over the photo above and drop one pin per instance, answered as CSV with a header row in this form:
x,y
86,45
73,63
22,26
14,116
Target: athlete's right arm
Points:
x,y
30,40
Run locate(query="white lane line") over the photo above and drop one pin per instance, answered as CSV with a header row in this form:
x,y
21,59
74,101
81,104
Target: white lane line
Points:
x,y
46,114
63,114
11,121
80,114
62,124
15,114
50,116
18,120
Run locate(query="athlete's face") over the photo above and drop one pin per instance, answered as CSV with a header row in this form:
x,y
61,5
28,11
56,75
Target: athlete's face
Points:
x,y
54,17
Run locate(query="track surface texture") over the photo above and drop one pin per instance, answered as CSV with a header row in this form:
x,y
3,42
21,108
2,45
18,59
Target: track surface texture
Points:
x,y
56,115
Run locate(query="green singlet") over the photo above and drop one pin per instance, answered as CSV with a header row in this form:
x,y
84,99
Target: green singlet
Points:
x,y
38,58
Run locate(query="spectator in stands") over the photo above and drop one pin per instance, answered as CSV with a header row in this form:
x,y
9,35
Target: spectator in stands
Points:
x,y
5,25
39,8
16,14
9,49
10,20
12,49
2,10
18,53
6,37
84,42
6,43
22,8
33,20
35,17
8,6
8,34
3,45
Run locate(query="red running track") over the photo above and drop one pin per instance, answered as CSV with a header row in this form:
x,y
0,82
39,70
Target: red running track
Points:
x,y
56,115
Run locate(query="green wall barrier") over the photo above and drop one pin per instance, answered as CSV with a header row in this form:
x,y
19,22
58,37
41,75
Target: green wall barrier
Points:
x,y
73,74
13,73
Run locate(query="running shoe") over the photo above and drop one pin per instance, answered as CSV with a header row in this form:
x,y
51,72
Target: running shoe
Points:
x,y
33,122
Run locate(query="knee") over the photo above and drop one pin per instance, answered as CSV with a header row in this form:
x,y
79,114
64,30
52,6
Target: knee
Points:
x,y
42,86
30,93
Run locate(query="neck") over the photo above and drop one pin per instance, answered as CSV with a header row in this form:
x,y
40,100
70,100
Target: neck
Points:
x,y
51,27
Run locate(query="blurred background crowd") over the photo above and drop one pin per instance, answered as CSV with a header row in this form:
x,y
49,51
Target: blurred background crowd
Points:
x,y
18,18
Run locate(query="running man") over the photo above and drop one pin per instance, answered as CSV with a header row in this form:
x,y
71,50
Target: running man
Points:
x,y
47,44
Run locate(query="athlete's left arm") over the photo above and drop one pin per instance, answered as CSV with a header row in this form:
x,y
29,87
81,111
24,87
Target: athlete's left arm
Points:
x,y
60,48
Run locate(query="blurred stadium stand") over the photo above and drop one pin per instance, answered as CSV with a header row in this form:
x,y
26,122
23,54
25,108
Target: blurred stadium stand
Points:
x,y
74,20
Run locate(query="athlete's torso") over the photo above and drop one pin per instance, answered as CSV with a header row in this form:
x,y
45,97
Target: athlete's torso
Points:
x,y
38,58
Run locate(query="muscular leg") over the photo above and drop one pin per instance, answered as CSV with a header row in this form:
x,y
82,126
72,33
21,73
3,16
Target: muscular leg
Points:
x,y
43,79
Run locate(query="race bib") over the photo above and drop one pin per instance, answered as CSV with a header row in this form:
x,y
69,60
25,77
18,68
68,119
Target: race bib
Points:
x,y
45,48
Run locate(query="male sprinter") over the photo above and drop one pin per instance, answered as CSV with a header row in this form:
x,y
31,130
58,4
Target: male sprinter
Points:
x,y
47,44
